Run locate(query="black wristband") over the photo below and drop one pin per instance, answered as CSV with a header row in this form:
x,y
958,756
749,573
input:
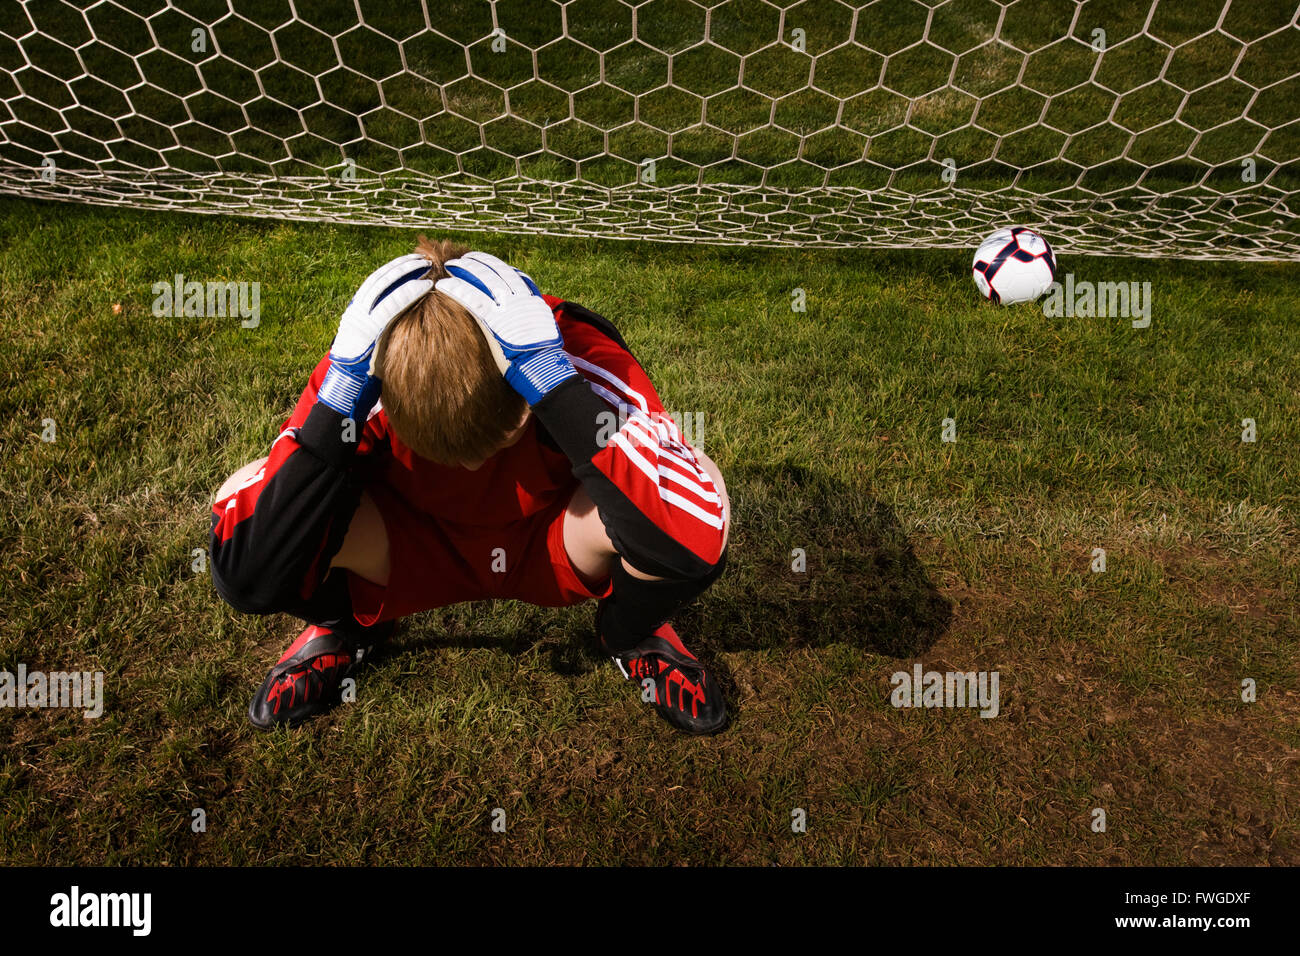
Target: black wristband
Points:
x,y
322,435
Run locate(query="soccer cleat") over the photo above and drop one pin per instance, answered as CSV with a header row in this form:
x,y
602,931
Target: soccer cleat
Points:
x,y
685,694
307,678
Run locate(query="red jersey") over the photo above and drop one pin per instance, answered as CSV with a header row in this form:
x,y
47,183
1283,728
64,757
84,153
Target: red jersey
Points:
x,y
607,430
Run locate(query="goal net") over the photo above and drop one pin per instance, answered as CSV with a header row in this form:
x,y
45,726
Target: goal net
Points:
x,y
1135,127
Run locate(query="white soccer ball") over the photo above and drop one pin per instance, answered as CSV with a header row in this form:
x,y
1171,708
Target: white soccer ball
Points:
x,y
1014,265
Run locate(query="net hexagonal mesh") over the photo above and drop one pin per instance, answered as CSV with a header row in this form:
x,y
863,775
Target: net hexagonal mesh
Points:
x,y
1148,128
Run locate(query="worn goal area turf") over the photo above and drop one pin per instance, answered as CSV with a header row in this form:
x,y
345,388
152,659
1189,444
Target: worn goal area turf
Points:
x,y
1119,690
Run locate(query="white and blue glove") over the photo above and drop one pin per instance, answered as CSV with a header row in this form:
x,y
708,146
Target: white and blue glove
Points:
x,y
351,387
518,324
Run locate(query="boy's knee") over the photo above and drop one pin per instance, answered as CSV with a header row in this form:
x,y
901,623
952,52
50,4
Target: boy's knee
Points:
x,y
715,474
233,483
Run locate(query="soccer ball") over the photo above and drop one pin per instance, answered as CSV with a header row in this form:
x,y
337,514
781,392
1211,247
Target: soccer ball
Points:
x,y
1014,265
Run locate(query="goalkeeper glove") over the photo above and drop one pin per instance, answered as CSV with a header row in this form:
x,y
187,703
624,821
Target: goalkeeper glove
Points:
x,y
518,324
351,387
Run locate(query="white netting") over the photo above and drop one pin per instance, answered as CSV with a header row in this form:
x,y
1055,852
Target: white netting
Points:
x,y
1145,128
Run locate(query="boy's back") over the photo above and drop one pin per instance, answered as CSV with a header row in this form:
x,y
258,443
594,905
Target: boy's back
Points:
x,y
523,479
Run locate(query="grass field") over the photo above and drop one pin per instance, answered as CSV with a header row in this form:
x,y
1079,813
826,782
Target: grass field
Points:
x,y
1119,690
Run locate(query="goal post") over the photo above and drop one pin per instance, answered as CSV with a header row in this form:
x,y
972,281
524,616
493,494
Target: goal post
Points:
x,y
1131,127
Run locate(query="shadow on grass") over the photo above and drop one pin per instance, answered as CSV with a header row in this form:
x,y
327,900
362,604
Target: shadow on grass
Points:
x,y
854,579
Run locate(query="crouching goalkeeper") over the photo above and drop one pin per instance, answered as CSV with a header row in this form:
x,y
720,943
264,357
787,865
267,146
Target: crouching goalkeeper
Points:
x,y
517,451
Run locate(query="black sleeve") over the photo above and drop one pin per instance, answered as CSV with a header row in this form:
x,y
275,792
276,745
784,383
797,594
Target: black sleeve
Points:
x,y
273,547
574,420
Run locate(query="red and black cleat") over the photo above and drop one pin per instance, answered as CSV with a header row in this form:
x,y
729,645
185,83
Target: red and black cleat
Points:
x,y
308,677
684,693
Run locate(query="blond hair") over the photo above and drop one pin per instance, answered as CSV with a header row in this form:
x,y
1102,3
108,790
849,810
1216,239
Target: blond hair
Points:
x,y
442,392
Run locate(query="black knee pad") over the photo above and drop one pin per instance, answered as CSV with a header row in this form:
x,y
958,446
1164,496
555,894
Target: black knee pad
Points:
x,y
638,607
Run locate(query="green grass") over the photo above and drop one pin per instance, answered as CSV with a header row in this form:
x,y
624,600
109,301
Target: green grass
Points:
x,y
1119,690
